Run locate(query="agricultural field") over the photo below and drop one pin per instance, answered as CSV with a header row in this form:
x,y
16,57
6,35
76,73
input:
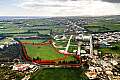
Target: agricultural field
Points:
x,y
103,26
44,32
60,74
95,28
10,28
38,22
58,29
24,34
32,40
41,26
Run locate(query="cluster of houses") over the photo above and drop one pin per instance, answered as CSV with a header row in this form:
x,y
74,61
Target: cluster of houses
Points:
x,y
106,38
104,69
25,68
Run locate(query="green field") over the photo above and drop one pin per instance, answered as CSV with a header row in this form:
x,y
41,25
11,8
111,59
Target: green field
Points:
x,y
33,40
43,52
95,28
44,32
60,74
70,58
40,26
10,28
24,34
115,50
38,22
61,43
103,26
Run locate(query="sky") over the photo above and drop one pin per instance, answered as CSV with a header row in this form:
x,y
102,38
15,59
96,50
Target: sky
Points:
x,y
59,7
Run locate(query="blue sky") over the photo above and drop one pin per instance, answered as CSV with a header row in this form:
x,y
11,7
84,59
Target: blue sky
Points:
x,y
9,7
59,7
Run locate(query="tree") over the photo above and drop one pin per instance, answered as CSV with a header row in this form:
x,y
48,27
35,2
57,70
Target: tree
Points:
x,y
33,58
38,58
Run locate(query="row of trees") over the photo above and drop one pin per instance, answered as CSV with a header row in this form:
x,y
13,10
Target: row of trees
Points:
x,y
38,58
61,62
69,62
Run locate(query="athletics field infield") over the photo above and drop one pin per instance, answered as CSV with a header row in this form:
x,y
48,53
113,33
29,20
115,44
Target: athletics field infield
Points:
x,y
45,51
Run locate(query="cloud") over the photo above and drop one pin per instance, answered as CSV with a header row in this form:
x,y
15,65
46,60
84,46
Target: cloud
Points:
x,y
112,1
36,4
70,7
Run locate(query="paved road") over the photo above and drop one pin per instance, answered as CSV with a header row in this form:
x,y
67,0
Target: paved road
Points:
x,y
79,48
68,44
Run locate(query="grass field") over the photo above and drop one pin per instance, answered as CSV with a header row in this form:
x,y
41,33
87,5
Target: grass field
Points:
x,y
43,52
10,28
60,74
24,34
33,40
38,22
103,26
70,58
46,53
96,28
44,32
31,25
